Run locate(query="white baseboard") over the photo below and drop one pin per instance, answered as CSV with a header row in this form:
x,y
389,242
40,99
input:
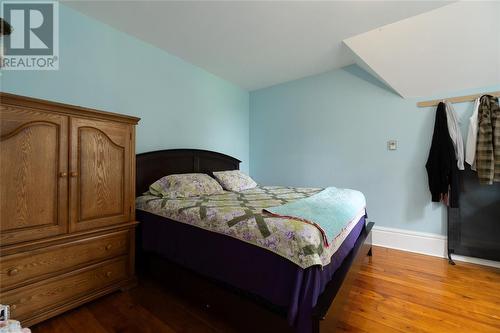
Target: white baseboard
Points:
x,y
420,242
478,261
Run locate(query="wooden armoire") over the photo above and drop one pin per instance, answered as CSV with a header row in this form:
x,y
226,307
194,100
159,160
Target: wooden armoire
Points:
x,y
67,217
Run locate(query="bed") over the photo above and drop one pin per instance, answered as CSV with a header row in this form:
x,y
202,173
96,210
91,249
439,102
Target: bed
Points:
x,y
302,295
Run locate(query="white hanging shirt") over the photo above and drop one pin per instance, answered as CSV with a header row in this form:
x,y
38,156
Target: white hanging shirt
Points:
x,y
455,135
470,145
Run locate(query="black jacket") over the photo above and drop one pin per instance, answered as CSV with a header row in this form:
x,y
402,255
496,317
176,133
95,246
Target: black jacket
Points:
x,y
442,169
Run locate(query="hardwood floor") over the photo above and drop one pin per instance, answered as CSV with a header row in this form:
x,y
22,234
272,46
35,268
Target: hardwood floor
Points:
x,y
397,292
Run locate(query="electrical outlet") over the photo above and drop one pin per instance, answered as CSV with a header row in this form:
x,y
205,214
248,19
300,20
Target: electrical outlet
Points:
x,y
392,145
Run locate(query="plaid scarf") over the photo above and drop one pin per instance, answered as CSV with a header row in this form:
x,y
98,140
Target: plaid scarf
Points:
x,y
488,141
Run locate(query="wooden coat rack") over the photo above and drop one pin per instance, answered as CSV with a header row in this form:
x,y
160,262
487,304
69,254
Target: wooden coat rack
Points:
x,y
459,99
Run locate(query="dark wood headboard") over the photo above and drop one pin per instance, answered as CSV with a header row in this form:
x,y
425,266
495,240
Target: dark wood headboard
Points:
x,y
151,166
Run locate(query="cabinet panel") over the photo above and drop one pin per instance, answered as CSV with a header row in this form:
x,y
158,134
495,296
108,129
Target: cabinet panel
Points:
x,y
33,174
36,265
100,173
43,296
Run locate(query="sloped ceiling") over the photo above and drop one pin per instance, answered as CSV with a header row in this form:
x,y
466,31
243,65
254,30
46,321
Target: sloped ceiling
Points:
x,y
452,48
254,44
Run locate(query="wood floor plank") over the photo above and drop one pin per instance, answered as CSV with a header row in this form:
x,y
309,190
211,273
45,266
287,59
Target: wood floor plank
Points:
x,y
360,321
343,326
468,309
54,325
455,278
396,292
454,291
425,319
118,313
170,309
81,319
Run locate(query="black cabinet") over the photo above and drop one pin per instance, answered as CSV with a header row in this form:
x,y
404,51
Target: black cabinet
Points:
x,y
474,227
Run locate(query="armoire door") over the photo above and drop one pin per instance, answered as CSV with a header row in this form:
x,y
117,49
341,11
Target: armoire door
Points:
x,y
33,174
100,173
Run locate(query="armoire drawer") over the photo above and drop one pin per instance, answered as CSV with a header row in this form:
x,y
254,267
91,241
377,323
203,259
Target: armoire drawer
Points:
x,y
39,264
42,296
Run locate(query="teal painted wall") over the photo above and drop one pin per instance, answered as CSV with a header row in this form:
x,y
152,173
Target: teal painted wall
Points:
x,y
329,129
332,129
181,106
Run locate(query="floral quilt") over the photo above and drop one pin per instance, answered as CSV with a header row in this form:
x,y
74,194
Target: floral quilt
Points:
x,y
240,215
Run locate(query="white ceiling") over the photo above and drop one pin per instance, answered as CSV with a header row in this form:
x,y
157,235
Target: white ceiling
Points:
x,y
254,44
449,49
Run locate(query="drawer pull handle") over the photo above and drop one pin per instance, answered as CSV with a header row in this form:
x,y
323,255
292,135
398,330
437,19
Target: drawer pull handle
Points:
x,y
73,174
63,174
109,247
108,274
12,271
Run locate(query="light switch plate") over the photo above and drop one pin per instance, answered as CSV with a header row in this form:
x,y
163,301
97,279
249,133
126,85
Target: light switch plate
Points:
x,y
392,145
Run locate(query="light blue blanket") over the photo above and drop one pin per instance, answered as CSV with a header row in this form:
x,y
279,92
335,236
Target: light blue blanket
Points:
x,y
330,210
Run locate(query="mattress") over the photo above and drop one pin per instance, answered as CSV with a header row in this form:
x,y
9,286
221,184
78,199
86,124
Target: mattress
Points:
x,y
240,215
254,270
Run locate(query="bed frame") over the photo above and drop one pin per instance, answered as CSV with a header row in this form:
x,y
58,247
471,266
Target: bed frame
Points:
x,y
153,165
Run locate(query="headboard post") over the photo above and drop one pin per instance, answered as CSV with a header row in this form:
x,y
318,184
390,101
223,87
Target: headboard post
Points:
x,y
151,166
196,164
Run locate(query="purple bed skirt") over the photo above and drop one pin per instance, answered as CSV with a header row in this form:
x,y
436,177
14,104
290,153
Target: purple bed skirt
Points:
x,y
244,266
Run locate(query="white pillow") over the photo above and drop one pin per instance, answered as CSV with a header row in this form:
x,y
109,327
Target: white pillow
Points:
x,y
234,180
185,185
